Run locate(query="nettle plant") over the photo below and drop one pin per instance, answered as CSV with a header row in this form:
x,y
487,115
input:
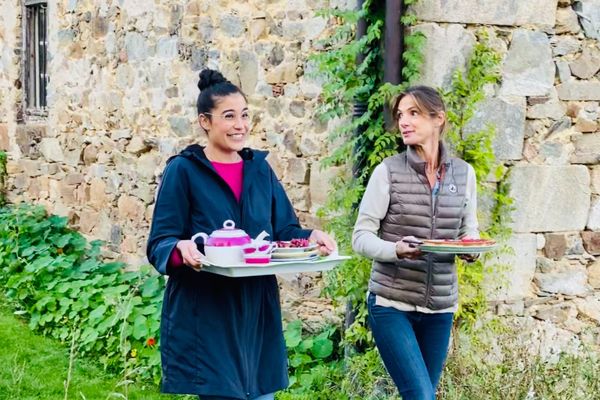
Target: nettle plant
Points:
x,y
59,282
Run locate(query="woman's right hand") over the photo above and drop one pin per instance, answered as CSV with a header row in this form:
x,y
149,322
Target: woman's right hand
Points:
x,y
407,250
190,253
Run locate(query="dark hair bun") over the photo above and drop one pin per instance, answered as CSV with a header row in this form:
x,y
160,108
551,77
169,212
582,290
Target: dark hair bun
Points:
x,y
209,77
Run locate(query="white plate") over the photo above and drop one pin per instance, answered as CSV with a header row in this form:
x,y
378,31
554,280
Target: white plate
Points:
x,y
294,249
288,259
294,255
283,267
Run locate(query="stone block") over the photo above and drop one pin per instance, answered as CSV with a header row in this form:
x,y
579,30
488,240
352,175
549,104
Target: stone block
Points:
x,y
589,307
87,221
320,184
574,245
556,245
579,90
587,64
232,25
4,140
311,145
299,197
146,166
137,146
248,71
589,17
511,274
144,192
507,115
51,150
587,149
557,313
74,178
90,154
298,170
167,48
96,197
443,60
136,47
489,12
276,164
28,138
550,198
571,283
594,274
180,125
314,27
591,242
551,108
32,168
290,142
528,69
563,45
297,109
593,222
596,179
130,209
563,71
585,122
566,21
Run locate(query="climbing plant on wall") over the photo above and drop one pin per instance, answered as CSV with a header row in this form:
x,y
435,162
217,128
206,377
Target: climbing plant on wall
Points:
x,y
347,83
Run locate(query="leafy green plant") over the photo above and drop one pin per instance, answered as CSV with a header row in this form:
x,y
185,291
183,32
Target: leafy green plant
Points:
x,y
58,280
2,178
314,366
40,368
347,83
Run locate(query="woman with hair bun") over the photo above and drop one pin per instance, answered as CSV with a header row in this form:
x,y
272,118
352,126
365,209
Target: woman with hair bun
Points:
x,y
221,338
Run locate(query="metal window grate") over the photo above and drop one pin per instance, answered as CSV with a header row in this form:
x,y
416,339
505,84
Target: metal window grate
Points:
x,y
36,48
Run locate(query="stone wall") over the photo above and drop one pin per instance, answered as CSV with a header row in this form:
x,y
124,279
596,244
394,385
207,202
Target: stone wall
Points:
x,y
122,90
546,112
122,100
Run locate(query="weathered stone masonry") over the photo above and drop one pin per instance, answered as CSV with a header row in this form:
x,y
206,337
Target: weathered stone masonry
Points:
x,y
122,95
546,113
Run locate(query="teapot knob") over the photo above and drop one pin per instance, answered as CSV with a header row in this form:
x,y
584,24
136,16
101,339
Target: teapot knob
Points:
x,y
229,224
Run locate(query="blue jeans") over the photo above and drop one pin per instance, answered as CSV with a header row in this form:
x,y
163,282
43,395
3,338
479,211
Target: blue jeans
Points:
x,y
270,396
413,347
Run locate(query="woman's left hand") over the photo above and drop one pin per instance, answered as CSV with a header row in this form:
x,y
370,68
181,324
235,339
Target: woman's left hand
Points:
x,y
324,241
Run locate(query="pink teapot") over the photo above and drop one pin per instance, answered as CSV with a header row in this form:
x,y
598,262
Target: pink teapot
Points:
x,y
225,246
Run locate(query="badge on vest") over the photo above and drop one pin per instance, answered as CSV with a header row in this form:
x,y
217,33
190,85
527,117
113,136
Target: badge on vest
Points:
x,y
452,188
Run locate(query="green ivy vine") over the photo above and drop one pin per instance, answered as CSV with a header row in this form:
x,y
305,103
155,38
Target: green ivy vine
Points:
x,y
347,83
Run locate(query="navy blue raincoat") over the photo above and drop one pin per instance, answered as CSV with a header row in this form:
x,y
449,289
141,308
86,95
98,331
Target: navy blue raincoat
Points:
x,y
220,336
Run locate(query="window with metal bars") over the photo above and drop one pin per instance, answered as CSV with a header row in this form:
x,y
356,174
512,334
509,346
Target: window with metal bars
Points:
x,y
36,50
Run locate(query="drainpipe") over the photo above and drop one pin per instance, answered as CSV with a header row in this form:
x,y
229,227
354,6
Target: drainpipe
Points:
x,y
360,107
393,44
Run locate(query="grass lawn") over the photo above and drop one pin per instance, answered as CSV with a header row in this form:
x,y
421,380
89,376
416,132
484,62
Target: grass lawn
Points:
x,y
35,368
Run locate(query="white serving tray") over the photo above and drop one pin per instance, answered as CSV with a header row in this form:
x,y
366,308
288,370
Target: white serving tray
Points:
x,y
279,267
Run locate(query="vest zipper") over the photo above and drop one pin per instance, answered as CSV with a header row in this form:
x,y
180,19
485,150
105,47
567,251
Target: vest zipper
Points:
x,y
433,221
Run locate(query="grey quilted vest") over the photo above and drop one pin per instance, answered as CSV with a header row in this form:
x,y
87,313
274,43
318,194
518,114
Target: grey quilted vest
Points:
x,y
431,280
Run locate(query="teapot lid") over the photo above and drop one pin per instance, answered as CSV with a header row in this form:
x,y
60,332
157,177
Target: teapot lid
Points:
x,y
228,231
